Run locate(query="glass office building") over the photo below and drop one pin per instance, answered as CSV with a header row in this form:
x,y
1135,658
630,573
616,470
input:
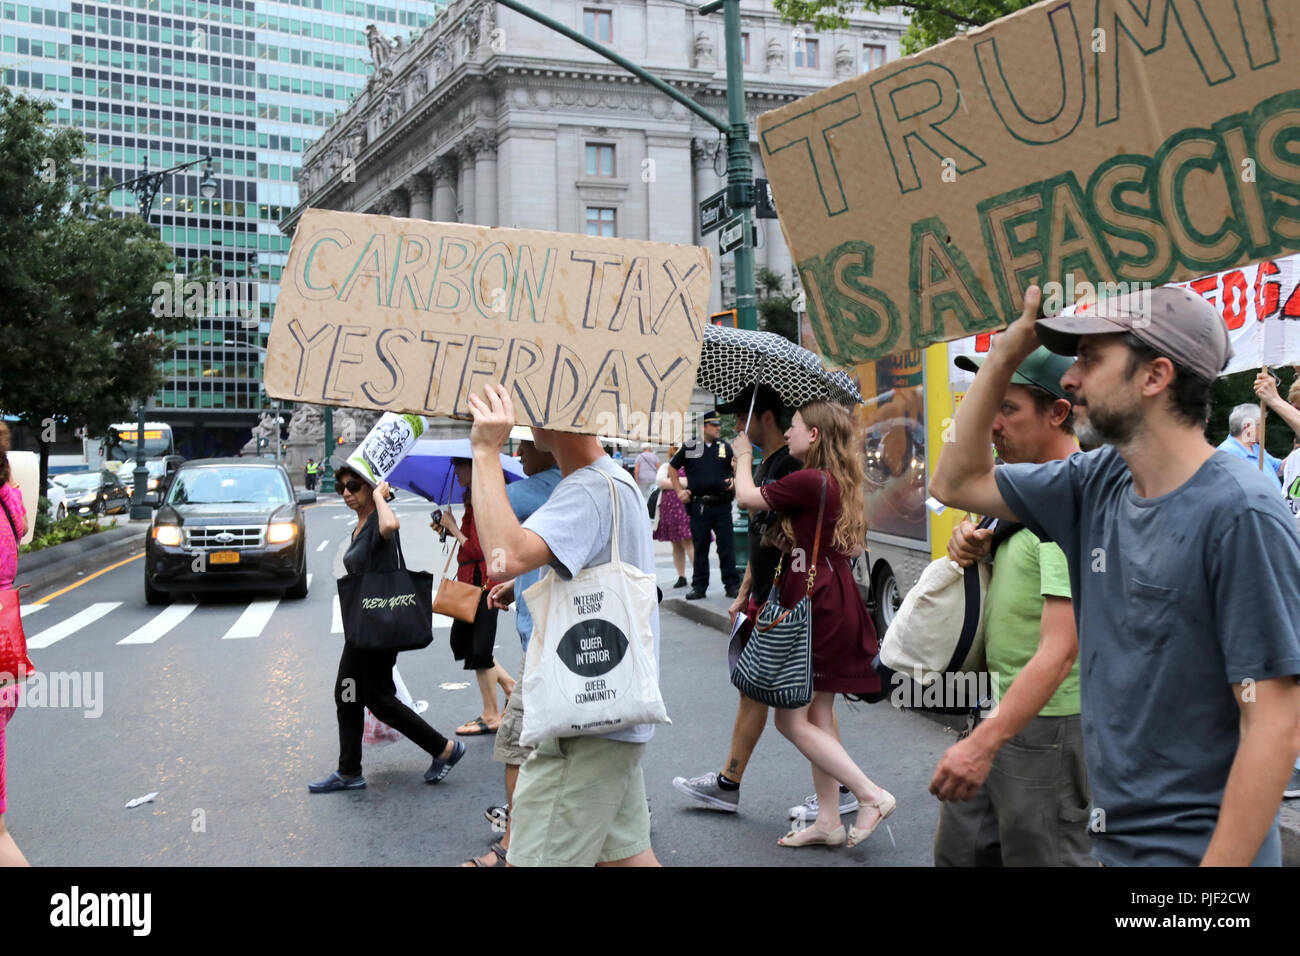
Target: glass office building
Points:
x,y
248,82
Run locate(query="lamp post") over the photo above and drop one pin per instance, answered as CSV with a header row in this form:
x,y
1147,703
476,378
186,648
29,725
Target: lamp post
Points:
x,y
145,187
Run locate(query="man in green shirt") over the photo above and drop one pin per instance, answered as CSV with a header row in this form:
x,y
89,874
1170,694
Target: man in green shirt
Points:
x,y
1015,791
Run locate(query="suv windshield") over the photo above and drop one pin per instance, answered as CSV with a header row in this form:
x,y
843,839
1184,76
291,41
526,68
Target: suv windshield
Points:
x,y
234,485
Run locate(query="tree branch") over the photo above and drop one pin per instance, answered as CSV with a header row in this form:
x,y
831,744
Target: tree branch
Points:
x,y
922,7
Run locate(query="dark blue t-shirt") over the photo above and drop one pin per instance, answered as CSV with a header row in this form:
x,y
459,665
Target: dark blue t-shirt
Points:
x,y
1175,598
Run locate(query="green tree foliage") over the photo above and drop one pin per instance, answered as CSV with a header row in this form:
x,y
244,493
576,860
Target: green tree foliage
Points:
x,y
775,307
79,342
931,22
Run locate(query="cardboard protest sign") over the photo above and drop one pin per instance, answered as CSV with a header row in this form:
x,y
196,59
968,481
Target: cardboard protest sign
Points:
x,y
1104,141
385,445
588,334
1260,305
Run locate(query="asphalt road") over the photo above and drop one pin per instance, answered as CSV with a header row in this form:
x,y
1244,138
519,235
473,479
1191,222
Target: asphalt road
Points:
x,y
225,709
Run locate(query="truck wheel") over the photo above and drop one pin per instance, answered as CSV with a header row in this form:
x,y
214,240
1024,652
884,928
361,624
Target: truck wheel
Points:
x,y
153,596
888,598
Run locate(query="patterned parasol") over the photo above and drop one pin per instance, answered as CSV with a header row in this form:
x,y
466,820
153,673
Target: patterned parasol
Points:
x,y
734,359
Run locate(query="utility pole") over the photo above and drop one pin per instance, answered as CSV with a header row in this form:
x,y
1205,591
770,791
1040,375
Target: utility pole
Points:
x,y
740,166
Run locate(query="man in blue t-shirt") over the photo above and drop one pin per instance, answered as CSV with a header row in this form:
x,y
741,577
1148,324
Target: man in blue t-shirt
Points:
x,y
542,474
1243,439
1183,565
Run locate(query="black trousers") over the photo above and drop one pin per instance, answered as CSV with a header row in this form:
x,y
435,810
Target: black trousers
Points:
x,y
365,679
715,520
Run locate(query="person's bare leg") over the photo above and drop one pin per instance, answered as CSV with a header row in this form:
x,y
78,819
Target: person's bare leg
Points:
x,y
504,679
644,858
10,855
487,688
828,755
679,558
751,720
512,777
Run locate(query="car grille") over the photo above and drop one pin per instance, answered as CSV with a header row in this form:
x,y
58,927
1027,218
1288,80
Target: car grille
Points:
x,y
241,536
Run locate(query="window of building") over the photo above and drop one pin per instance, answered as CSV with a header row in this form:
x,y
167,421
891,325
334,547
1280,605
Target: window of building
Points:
x,y
805,55
600,159
744,46
873,56
600,221
598,25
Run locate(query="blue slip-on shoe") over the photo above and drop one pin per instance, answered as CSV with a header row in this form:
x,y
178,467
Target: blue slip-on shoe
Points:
x,y
336,781
442,766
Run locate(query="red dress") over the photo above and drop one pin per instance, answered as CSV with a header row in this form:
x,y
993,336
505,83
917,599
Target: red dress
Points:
x,y
843,635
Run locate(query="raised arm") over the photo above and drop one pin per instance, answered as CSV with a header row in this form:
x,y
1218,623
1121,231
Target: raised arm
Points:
x,y
509,548
963,476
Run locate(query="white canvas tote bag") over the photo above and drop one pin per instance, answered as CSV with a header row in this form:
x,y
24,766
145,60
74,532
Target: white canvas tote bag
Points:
x,y
590,667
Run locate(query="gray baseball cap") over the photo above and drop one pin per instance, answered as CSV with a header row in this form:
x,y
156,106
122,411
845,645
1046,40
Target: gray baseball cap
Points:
x,y
1175,322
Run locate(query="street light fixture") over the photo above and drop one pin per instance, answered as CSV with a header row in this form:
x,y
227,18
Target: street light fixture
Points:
x,y
145,187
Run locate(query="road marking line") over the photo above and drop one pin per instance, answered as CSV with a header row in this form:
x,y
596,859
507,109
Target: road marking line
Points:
x,y
26,609
167,619
441,621
309,577
52,635
322,545
89,577
336,622
254,618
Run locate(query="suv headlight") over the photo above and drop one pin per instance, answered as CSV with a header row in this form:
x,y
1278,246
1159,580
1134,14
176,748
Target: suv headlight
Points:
x,y
280,532
167,534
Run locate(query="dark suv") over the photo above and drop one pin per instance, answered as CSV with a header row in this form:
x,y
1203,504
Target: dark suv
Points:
x,y
227,524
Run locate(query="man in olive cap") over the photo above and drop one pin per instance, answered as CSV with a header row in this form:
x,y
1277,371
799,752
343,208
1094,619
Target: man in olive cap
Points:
x,y
1183,562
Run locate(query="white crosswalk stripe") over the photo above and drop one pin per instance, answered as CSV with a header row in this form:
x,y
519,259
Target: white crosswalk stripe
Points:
x,y
336,623
167,619
254,618
52,635
322,545
309,577
27,609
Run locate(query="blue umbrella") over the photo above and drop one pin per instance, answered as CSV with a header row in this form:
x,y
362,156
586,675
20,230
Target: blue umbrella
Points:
x,y
427,470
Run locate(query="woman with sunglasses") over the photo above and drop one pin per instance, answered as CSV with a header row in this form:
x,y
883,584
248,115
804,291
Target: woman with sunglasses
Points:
x,y
365,678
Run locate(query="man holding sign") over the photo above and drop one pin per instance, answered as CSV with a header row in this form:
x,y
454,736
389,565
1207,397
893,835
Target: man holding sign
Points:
x,y
1182,564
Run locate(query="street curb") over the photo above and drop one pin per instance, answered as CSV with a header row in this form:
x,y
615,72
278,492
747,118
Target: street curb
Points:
x,y
51,566
698,613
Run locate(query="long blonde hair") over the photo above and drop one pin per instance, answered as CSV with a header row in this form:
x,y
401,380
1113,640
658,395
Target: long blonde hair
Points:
x,y
838,452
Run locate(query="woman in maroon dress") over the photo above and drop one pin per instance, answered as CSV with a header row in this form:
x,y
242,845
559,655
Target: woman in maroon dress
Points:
x,y
843,636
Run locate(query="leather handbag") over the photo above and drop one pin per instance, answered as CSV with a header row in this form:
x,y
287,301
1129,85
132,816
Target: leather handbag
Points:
x,y
456,598
15,665
775,665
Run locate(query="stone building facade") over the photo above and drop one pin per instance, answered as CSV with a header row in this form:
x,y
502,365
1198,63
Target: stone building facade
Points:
x,y
490,118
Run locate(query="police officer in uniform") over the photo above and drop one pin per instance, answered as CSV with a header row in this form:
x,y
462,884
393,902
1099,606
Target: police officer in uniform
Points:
x,y
709,468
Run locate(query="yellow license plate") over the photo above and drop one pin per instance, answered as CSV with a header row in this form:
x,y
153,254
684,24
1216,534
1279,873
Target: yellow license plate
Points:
x,y
223,557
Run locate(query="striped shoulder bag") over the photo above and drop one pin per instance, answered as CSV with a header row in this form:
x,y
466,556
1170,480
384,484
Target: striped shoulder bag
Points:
x,y
775,667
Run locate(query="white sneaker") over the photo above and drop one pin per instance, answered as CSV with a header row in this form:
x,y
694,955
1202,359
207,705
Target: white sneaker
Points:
x,y
806,812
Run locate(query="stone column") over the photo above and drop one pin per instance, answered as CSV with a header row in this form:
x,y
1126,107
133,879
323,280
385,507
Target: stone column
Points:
x,y
444,197
468,180
421,190
485,179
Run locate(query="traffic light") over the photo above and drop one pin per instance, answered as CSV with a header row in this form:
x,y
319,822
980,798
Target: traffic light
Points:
x,y
724,318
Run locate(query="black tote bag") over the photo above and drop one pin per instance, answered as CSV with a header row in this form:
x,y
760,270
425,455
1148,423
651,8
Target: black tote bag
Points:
x,y
387,610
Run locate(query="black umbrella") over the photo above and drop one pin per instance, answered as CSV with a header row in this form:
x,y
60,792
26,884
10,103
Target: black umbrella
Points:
x,y
734,359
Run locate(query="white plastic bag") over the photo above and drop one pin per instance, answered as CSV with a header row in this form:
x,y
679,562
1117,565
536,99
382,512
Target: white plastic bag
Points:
x,y
377,733
590,667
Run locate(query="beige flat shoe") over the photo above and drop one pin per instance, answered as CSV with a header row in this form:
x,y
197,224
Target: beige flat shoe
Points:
x,y
886,805
813,837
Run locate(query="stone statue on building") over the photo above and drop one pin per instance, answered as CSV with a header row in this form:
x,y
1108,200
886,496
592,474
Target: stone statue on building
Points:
x,y
381,49
704,51
843,61
307,424
775,54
